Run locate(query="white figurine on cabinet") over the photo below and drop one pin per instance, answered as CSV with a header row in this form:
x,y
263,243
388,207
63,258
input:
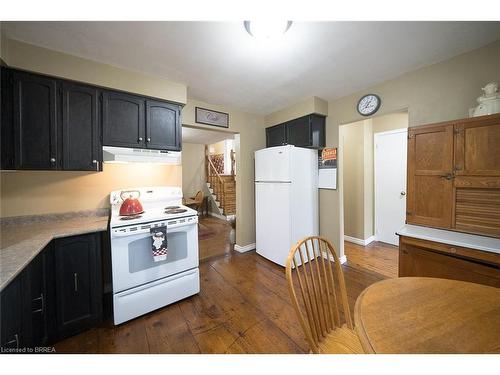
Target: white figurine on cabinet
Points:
x,y
489,102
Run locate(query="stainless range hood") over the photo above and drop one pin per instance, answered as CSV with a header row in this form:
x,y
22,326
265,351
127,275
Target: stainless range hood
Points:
x,y
139,155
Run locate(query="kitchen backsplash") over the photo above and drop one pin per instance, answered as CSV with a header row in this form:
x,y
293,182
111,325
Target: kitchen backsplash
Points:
x,y
43,192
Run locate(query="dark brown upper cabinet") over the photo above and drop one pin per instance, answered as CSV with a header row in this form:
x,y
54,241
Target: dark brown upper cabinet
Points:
x,y
80,127
123,120
163,126
34,121
276,135
48,123
306,131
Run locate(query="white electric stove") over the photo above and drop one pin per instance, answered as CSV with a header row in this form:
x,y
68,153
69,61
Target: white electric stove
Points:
x,y
141,285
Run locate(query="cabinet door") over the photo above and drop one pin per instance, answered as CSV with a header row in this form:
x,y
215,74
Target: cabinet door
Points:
x,y
123,120
298,132
7,135
163,126
80,128
477,148
34,108
318,136
36,296
430,176
11,330
78,283
276,135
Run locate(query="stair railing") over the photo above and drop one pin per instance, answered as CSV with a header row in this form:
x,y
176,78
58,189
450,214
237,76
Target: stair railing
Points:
x,y
215,180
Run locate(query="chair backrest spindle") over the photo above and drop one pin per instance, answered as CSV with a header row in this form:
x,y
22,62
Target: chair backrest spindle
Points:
x,y
313,269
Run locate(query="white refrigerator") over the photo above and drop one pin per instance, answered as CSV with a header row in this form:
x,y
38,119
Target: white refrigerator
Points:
x,y
286,199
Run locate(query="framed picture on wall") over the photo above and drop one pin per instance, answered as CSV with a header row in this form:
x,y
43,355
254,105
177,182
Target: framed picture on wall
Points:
x,y
210,117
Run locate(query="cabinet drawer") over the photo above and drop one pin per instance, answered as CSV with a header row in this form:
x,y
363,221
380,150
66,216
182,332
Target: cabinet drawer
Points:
x,y
429,259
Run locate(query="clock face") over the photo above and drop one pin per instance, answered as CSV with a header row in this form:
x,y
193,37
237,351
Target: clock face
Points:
x,y
368,104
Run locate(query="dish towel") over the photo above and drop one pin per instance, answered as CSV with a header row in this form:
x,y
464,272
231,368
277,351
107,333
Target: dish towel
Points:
x,y
159,243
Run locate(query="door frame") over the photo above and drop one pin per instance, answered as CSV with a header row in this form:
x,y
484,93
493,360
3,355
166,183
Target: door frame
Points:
x,y
375,208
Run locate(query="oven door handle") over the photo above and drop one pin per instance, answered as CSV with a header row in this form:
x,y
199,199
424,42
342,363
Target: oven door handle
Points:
x,y
117,232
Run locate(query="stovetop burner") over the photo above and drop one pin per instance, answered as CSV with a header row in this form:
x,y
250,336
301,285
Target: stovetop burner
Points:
x,y
131,217
171,207
175,210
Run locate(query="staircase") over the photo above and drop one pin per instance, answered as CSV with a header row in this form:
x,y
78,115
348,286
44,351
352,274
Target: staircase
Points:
x,y
222,188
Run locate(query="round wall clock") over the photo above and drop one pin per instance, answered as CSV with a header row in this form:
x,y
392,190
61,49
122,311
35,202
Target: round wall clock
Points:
x,y
369,104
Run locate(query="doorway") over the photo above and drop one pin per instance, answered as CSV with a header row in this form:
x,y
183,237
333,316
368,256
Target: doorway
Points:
x,y
390,184
373,168
208,171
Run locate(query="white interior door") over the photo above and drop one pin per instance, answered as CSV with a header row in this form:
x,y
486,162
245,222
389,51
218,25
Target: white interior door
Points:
x,y
390,184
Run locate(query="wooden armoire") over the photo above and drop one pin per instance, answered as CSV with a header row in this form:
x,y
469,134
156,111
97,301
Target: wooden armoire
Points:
x,y
453,183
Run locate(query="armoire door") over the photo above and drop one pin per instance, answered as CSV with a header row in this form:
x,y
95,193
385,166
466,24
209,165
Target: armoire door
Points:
x,y
477,170
80,127
34,117
430,176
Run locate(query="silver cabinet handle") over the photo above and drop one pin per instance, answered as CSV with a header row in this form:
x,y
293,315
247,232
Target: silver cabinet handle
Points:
x,y
140,139
149,139
16,340
94,161
42,301
75,279
52,160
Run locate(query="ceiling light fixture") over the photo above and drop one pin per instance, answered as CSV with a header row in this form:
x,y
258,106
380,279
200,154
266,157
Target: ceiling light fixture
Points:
x,y
267,29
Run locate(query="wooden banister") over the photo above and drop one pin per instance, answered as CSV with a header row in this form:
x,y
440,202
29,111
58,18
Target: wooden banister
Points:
x,y
215,180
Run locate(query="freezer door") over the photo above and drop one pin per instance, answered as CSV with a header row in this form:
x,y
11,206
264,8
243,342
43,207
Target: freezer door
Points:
x,y
273,164
273,237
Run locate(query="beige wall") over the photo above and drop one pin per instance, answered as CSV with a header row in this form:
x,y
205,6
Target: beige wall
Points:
x,y
193,168
439,92
41,60
353,147
305,107
390,122
251,137
41,192
218,148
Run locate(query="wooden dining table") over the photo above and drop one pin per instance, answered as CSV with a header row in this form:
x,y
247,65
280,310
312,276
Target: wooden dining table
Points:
x,y
428,315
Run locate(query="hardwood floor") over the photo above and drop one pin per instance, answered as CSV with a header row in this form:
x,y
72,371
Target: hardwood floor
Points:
x,y
243,307
213,237
377,256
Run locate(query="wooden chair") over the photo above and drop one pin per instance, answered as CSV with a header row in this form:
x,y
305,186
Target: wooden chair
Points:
x,y
311,272
197,201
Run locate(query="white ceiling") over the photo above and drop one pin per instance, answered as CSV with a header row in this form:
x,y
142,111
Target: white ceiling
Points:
x,y
204,137
222,64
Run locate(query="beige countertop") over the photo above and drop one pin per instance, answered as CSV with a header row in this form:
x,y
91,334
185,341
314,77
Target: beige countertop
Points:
x,y
22,240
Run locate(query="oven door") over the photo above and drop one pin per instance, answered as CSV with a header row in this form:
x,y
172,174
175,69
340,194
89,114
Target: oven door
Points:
x,y
132,259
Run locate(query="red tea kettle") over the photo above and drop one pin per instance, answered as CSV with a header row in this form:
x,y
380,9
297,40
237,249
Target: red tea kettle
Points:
x,y
131,204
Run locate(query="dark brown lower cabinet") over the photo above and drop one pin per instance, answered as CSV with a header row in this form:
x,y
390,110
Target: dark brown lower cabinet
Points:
x,y
57,295
11,319
78,283
432,259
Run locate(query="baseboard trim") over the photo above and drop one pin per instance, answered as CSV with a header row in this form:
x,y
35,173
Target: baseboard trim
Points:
x,y
244,249
359,241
